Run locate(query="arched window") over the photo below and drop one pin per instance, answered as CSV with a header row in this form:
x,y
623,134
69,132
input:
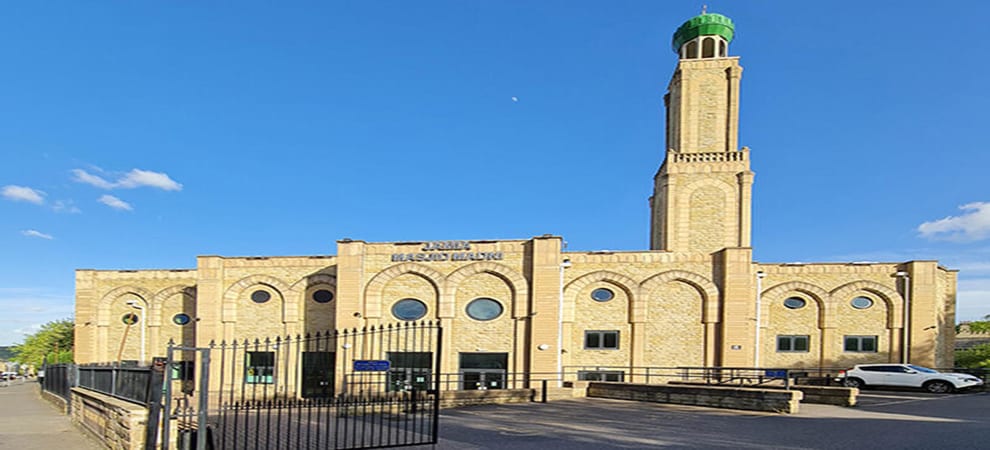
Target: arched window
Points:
x,y
708,48
721,48
692,50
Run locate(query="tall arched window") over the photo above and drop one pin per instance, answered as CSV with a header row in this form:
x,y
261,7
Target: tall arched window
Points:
x,y
692,50
708,48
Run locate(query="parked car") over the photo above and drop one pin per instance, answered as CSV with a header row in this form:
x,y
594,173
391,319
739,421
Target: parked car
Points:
x,y
906,375
8,376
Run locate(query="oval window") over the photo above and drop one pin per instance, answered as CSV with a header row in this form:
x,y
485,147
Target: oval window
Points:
x,y
861,303
409,309
129,319
181,319
260,296
794,303
484,309
322,296
602,295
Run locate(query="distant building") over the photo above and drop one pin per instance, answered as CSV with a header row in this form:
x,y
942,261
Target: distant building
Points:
x,y
965,338
695,298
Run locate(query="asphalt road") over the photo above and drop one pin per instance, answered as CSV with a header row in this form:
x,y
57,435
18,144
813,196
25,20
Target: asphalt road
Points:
x,y
887,420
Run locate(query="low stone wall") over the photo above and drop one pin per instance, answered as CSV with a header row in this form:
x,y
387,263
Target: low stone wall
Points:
x,y
56,401
770,400
453,399
823,395
827,395
118,424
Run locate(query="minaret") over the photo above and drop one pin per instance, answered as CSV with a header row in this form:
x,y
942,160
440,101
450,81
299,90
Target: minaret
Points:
x,y
703,190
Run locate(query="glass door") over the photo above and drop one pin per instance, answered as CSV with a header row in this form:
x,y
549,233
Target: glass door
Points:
x,y
317,374
483,370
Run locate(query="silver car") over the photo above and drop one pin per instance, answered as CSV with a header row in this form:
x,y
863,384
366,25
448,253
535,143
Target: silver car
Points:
x,y
906,375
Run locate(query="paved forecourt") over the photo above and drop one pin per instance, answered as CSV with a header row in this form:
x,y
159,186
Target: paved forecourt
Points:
x,y
883,420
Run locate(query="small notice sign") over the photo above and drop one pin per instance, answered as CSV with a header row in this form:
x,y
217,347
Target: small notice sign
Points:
x,y
775,373
371,365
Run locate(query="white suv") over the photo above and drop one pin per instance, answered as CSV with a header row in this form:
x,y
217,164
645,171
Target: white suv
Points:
x,y
906,375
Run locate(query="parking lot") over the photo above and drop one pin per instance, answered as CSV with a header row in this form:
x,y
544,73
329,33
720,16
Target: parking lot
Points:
x,y
883,419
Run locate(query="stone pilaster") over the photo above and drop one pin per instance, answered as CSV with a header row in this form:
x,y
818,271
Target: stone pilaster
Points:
x,y
738,285
545,297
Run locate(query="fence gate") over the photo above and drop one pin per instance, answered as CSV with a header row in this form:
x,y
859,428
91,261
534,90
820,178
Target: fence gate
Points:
x,y
361,388
186,407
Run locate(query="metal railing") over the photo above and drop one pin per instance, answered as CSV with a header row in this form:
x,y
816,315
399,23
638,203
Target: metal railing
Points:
x,y
126,383
59,379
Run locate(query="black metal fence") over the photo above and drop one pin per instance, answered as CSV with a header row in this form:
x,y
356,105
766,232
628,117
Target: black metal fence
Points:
x,y
126,383
59,380
360,388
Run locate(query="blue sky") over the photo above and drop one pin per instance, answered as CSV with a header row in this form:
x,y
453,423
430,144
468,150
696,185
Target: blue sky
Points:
x,y
141,134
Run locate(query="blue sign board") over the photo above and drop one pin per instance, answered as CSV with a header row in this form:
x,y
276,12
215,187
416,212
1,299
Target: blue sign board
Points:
x,y
775,373
371,365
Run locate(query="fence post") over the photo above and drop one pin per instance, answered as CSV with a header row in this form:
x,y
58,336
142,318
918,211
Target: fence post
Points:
x,y
154,395
167,387
543,391
202,434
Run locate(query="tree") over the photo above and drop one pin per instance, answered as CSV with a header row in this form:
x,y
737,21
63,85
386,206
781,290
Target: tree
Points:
x,y
53,342
980,326
977,356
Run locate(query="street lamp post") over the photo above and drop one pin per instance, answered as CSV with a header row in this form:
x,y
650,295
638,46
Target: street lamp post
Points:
x,y
142,318
905,354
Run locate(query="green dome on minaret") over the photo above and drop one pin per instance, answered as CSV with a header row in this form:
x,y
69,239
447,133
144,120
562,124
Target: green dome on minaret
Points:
x,y
703,25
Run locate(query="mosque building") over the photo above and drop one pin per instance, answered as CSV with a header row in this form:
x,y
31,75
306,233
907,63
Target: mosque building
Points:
x,y
696,298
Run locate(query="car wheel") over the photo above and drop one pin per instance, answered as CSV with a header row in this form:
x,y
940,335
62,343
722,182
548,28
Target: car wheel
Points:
x,y
853,383
938,387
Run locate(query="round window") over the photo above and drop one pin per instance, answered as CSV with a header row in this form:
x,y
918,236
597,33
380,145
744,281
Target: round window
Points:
x,y
409,309
180,319
260,296
861,303
129,319
794,303
602,295
484,309
322,296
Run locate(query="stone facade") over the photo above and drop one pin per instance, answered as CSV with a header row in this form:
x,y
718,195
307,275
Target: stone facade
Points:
x,y
696,298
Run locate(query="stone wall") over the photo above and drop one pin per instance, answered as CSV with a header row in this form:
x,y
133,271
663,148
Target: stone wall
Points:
x,y
56,401
770,400
823,395
453,399
118,424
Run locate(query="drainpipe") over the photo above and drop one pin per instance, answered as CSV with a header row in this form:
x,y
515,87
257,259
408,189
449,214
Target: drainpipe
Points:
x,y
760,275
905,354
560,324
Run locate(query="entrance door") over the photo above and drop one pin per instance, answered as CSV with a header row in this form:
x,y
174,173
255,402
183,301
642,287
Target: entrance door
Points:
x,y
409,370
483,370
317,374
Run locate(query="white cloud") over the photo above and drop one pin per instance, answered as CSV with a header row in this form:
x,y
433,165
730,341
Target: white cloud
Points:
x,y
37,234
65,206
85,177
970,226
134,179
23,194
137,178
115,203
